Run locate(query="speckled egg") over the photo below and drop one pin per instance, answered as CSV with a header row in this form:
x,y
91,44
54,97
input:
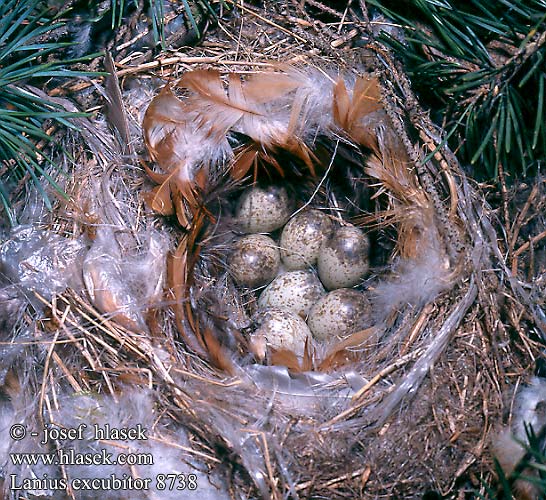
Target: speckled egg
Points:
x,y
296,291
255,260
338,314
281,329
343,258
261,210
302,238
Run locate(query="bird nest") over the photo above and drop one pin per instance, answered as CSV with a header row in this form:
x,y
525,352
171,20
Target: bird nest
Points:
x,y
145,323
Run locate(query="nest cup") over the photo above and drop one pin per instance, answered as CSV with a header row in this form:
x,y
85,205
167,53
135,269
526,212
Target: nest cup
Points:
x,y
400,406
337,143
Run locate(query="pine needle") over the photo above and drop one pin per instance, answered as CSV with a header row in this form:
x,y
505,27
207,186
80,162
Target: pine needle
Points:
x,y
26,60
483,61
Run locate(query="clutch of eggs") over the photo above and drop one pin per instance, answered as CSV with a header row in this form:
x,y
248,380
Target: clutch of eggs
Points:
x,y
313,254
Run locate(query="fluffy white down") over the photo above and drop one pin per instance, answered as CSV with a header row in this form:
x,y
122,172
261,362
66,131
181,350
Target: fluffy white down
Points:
x,y
530,408
414,282
507,445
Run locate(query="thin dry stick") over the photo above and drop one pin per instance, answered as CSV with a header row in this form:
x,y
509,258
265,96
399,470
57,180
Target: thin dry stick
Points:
x,y
522,248
71,380
168,61
323,8
386,371
383,373
344,17
504,194
76,325
454,196
338,42
417,328
268,465
332,482
46,372
129,369
265,20
162,63
207,380
69,489
516,227
186,449
532,241
123,336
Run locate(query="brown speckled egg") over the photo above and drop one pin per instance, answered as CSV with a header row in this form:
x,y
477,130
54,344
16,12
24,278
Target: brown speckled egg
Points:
x,y
343,258
296,291
302,238
255,260
338,314
261,210
282,329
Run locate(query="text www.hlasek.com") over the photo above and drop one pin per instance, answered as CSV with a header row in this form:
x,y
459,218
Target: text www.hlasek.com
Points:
x,y
71,457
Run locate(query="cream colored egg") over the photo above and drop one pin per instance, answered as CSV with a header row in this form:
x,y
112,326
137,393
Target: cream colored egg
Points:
x,y
281,329
343,258
338,314
302,238
296,291
255,260
261,210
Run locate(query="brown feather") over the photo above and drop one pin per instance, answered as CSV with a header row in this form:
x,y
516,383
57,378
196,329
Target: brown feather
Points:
x,y
202,177
339,354
308,361
218,109
109,303
243,161
217,353
366,98
164,114
215,108
285,357
207,84
115,109
177,279
221,109
337,359
298,148
341,104
266,87
155,176
187,191
181,211
350,111
159,199
410,205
